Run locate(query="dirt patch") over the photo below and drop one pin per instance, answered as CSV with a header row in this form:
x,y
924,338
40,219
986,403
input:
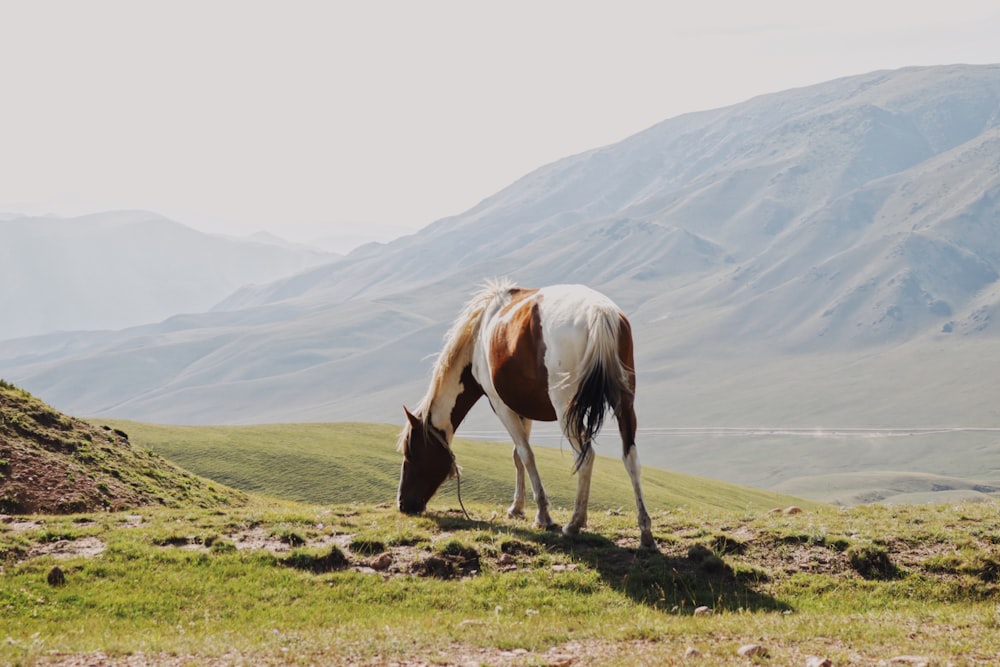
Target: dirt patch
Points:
x,y
261,538
19,525
85,547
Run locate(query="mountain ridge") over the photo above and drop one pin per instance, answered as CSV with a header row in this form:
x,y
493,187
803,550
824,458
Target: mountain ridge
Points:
x,y
117,269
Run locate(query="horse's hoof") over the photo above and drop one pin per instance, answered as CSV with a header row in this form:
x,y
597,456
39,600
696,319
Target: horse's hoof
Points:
x,y
647,541
570,530
515,514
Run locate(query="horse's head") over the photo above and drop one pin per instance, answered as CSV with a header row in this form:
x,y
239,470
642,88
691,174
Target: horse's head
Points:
x,y
427,462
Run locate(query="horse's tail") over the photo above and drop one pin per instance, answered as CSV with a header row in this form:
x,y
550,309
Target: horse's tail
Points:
x,y
603,379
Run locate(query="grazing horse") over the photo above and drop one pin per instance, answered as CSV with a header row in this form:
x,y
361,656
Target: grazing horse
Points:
x,y
554,353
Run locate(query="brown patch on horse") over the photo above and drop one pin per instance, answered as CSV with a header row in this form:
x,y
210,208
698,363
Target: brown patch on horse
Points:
x,y
625,412
472,391
517,357
626,350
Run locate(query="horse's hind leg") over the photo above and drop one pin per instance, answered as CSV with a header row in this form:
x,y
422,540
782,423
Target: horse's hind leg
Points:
x,y
630,456
631,460
516,509
583,474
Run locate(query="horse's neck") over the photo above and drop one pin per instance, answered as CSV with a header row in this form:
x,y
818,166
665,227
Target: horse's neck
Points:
x,y
454,397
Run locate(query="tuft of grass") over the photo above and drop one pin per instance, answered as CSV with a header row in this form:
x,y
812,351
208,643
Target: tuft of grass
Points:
x,y
367,545
330,560
872,561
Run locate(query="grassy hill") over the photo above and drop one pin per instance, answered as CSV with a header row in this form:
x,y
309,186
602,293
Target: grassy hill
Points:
x,y
53,463
352,462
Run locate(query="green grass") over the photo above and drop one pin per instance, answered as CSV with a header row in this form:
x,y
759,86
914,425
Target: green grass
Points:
x,y
343,463
225,586
346,579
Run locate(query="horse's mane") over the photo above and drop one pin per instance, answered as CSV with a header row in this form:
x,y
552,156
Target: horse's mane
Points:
x,y
456,342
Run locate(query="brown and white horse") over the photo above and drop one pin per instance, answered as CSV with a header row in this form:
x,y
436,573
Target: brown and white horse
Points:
x,y
555,353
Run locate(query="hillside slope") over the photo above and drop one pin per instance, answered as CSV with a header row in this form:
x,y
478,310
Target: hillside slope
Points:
x,y
54,464
349,462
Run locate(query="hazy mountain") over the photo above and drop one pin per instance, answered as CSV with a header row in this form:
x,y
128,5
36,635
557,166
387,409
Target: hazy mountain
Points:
x,y
825,255
123,268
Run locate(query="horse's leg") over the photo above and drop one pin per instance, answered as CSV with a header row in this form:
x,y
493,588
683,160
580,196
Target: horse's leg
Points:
x,y
516,510
630,456
579,518
518,427
562,394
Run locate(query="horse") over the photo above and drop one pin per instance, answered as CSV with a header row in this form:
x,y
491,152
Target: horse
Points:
x,y
559,353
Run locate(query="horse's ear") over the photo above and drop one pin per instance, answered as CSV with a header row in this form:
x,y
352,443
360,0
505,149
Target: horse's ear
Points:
x,y
413,419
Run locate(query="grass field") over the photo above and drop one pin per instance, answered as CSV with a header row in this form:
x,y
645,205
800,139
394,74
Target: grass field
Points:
x,y
344,463
340,577
282,583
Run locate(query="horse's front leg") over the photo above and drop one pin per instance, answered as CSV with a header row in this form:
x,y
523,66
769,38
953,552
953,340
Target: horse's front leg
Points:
x,y
542,518
519,428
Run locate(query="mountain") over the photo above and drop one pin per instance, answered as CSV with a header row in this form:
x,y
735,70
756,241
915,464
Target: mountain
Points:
x,y
123,268
824,255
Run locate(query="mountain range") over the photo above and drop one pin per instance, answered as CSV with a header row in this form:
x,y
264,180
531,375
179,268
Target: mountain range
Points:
x,y
124,268
828,255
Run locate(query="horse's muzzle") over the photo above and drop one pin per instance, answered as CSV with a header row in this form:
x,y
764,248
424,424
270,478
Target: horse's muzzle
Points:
x,y
411,506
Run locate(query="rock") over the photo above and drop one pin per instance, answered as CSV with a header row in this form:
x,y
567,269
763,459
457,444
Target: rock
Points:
x,y
816,661
703,611
506,560
56,577
794,509
381,562
691,653
752,651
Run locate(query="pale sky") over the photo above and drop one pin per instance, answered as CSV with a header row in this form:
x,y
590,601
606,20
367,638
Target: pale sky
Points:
x,y
376,118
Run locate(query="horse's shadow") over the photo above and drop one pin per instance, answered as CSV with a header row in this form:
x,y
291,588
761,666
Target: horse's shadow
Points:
x,y
672,582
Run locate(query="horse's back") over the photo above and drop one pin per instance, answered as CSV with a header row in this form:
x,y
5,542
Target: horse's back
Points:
x,y
571,317
537,343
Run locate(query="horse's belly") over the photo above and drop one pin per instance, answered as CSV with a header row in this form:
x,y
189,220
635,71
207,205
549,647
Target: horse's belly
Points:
x,y
528,399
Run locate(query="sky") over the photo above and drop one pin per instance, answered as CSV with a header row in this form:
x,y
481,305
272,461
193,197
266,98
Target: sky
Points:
x,y
371,119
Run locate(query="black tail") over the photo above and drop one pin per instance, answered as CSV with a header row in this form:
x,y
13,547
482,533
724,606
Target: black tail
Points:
x,y
601,387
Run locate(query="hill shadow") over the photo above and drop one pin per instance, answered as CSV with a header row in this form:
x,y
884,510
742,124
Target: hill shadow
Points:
x,y
676,583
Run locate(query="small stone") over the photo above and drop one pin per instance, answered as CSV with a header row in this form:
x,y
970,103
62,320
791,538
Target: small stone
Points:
x,y
703,611
691,653
816,661
752,651
56,577
381,562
